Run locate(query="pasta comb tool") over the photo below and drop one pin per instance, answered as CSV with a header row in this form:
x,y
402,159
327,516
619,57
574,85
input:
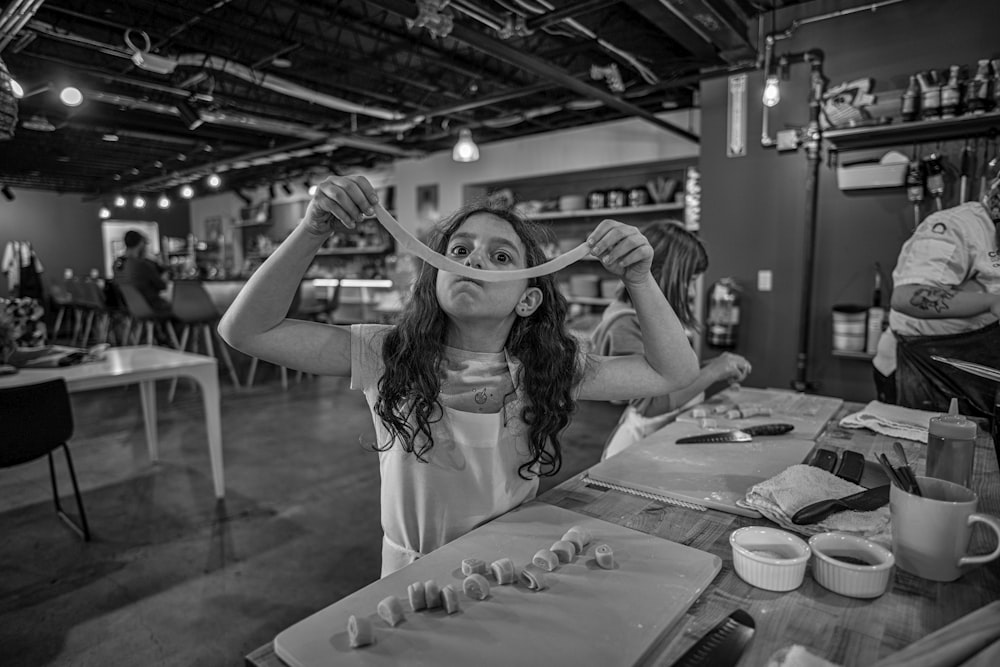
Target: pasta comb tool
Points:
x,y
723,645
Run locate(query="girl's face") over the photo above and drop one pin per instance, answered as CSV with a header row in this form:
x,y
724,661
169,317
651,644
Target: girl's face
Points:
x,y
484,241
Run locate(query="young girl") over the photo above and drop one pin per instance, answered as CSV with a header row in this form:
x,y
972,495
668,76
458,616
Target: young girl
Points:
x,y
471,389
678,259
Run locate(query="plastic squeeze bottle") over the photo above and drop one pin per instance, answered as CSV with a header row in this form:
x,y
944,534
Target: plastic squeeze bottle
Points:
x,y
951,446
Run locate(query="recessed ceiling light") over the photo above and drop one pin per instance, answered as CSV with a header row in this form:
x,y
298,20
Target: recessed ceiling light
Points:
x,y
283,63
110,137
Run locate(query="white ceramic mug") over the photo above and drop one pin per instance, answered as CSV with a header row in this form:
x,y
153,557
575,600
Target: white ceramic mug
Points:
x,y
931,533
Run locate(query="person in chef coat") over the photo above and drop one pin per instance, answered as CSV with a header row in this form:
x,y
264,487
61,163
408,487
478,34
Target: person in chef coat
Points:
x,y
945,302
470,390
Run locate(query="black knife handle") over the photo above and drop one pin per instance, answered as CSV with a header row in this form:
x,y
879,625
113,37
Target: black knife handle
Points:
x,y
816,512
769,429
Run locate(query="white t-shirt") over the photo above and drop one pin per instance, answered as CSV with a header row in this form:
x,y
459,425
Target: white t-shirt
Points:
x,y
951,248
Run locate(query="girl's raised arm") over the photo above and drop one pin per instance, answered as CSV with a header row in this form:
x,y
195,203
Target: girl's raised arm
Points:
x,y
256,322
668,362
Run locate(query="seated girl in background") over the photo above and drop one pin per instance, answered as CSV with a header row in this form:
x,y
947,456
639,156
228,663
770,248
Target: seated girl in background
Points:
x,y
470,391
679,257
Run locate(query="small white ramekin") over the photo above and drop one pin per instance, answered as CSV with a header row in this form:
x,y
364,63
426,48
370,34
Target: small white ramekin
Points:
x,y
769,558
856,581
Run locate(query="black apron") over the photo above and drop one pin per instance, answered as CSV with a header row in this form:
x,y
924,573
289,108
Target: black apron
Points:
x,y
925,384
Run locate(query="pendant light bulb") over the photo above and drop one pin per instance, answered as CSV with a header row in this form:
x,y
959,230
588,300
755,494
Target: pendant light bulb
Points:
x,y
70,96
163,201
772,91
139,201
465,149
120,201
214,181
187,192
104,213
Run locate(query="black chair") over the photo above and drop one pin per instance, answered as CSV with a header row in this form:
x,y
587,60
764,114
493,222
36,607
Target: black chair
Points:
x,y
144,318
194,309
37,419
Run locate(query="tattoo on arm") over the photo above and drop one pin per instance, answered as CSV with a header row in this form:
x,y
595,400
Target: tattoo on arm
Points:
x,y
932,298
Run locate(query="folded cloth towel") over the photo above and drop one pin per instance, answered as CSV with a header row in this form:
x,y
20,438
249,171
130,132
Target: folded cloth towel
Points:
x,y
781,496
891,420
972,640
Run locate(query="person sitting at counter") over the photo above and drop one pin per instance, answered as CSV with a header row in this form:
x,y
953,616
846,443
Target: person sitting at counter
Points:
x,y
470,390
136,269
945,302
679,257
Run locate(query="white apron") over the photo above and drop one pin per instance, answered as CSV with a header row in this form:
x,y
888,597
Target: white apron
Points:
x,y
470,478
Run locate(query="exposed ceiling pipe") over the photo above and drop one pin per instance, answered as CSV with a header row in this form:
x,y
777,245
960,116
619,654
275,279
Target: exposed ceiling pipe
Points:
x,y
17,19
284,86
540,68
232,68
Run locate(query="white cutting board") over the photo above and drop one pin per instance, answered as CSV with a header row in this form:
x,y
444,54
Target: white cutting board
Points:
x,y
808,413
587,616
715,475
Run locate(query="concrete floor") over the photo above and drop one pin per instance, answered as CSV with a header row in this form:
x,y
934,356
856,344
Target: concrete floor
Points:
x,y
173,577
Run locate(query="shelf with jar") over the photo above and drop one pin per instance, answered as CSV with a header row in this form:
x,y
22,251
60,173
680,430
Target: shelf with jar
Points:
x,y
572,203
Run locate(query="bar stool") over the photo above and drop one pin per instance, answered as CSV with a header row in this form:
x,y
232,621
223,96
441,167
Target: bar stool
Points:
x,y
194,308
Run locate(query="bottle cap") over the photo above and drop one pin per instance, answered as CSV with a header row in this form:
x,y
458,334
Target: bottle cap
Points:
x,y
953,425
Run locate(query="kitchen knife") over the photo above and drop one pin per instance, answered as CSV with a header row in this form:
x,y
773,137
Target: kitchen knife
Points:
x,y
738,435
723,645
865,501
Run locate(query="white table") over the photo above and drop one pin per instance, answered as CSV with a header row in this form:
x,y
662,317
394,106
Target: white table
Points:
x,y
144,365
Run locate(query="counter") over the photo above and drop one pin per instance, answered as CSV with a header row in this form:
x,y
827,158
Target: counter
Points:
x,y
846,631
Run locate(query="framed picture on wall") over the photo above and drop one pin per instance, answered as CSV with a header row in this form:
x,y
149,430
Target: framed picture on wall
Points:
x,y
427,205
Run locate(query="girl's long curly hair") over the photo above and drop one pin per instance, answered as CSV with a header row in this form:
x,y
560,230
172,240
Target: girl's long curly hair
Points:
x,y
678,256
413,350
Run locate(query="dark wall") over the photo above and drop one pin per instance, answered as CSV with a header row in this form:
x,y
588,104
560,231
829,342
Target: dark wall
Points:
x,y
754,207
66,232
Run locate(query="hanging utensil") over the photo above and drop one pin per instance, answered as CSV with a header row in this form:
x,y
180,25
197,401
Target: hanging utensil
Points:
x,y
966,170
934,171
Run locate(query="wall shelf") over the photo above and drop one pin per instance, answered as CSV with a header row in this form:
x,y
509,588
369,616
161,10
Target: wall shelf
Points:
x,y
367,250
606,212
918,131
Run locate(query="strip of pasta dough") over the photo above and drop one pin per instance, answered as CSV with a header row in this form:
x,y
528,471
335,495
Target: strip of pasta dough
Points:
x,y
412,244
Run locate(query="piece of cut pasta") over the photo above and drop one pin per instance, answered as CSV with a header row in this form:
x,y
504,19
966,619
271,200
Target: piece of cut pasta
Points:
x,y
564,550
473,566
449,598
390,609
574,538
546,559
585,536
503,571
605,556
533,577
415,591
432,594
476,586
359,631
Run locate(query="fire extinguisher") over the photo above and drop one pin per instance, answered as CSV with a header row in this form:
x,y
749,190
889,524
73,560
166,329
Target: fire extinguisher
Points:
x,y
723,314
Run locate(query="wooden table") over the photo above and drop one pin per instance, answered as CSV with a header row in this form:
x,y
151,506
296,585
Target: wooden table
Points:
x,y
843,630
143,365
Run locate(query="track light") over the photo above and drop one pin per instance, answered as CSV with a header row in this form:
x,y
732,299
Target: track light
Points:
x,y
139,201
214,181
466,149
187,192
189,115
163,201
104,213
772,91
71,96
7,193
120,201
